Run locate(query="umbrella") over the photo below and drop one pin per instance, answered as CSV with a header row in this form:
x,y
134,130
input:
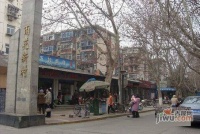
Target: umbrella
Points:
x,y
92,85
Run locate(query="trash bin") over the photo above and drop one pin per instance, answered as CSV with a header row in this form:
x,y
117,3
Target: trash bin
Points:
x,y
100,107
96,106
103,107
92,107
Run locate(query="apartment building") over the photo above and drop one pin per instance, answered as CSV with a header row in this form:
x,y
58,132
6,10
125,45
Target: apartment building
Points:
x,y
134,64
10,21
80,45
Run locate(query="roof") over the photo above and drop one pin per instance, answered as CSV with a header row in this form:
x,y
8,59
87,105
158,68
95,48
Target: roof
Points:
x,y
3,60
65,70
135,81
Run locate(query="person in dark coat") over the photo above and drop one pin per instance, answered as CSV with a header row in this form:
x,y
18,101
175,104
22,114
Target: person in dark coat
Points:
x,y
41,101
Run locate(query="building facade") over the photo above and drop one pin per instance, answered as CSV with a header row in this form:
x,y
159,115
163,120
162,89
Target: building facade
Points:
x,y
80,45
10,21
135,64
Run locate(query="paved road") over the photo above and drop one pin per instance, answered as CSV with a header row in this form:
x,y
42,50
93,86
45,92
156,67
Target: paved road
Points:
x,y
121,125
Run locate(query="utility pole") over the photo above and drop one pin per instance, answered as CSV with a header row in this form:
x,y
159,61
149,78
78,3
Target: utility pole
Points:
x,y
119,77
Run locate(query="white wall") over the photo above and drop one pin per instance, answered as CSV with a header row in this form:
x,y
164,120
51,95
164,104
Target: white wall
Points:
x,y
4,39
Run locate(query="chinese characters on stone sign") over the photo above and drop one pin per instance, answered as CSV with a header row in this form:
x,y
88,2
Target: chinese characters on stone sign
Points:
x,y
25,48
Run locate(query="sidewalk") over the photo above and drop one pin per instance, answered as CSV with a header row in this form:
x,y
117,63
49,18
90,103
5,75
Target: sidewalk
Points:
x,y
60,116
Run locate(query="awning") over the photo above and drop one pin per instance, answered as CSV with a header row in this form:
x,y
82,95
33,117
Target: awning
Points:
x,y
167,89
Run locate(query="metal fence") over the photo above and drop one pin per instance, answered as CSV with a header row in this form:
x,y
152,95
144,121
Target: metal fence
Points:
x,y
2,99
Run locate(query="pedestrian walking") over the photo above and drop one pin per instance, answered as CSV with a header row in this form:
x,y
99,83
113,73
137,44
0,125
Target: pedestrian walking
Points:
x,y
110,103
174,101
41,101
48,99
135,107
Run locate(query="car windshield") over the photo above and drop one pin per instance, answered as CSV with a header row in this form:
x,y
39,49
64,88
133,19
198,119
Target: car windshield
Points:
x,y
193,100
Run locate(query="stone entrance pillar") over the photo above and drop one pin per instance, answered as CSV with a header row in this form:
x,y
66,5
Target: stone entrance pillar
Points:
x,y
22,80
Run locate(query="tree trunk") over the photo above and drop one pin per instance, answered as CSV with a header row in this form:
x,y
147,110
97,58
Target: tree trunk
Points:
x,y
179,93
160,101
109,68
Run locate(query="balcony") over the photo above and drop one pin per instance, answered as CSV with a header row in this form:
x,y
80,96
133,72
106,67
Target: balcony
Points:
x,y
131,63
12,12
133,76
67,39
66,50
88,60
87,48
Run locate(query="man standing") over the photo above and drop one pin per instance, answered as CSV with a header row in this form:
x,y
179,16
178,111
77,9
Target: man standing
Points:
x,y
110,103
48,99
41,101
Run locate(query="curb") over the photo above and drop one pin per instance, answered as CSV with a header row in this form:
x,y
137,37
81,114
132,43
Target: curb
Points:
x,y
95,119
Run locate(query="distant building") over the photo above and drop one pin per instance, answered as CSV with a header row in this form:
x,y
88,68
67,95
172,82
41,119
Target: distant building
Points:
x,y
134,64
10,21
80,45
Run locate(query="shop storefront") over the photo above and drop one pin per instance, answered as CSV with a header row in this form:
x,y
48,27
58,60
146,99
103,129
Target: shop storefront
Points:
x,y
63,83
147,90
132,88
168,92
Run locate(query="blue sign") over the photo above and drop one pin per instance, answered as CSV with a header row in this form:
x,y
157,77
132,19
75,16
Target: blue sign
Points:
x,y
56,62
167,89
195,110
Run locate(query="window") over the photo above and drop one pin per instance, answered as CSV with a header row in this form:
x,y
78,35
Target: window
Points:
x,y
133,76
7,48
67,34
48,37
10,30
90,31
78,45
83,43
89,43
12,12
48,48
86,45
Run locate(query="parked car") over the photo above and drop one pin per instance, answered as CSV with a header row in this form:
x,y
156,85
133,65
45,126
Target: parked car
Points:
x,y
193,102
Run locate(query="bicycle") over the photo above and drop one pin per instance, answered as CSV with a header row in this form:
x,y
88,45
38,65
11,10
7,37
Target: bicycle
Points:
x,y
119,108
78,109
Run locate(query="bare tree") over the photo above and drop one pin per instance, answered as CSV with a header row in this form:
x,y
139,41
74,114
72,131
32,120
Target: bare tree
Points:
x,y
81,13
180,22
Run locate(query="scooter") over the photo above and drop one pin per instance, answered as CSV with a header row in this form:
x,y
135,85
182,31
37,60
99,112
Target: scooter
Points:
x,y
140,106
